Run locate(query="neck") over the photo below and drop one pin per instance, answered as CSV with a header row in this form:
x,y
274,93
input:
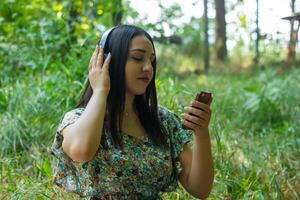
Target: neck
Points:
x,y
129,107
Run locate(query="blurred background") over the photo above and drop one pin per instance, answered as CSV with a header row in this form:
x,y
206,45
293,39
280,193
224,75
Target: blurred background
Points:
x,y
245,52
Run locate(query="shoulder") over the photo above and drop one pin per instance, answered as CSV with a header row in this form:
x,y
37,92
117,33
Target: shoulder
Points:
x,y
75,111
73,114
167,115
164,111
69,117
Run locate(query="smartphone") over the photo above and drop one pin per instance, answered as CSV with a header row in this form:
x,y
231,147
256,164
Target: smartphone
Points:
x,y
203,97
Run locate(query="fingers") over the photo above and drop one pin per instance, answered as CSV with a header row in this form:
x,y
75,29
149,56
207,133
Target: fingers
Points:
x,y
99,60
195,120
106,62
190,124
201,106
95,57
92,58
197,112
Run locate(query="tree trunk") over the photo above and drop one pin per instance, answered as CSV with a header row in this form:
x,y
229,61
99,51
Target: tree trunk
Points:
x,y
206,48
117,13
72,20
293,36
256,59
220,31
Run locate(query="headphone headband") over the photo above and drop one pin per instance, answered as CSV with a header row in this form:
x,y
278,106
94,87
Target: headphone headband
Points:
x,y
105,36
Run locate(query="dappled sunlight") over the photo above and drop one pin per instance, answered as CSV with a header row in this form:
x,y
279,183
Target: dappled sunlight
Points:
x,y
187,64
202,80
240,157
45,53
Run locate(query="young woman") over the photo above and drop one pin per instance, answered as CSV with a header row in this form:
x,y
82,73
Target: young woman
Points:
x,y
118,143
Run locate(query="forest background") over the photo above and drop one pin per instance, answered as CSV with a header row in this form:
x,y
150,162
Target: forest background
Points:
x,y
254,76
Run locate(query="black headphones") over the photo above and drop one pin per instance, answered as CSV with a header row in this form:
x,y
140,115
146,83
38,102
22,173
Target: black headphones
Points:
x,y
104,38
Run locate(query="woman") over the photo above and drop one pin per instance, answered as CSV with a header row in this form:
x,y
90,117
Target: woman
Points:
x,y
118,143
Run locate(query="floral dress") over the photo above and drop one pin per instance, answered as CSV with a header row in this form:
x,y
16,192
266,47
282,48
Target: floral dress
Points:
x,y
140,171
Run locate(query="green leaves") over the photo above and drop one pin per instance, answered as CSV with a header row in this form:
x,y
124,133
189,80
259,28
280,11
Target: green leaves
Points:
x,y
3,101
6,12
268,100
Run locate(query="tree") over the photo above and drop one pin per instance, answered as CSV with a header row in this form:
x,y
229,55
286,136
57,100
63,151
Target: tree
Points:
x,y
293,36
206,48
220,30
117,12
256,59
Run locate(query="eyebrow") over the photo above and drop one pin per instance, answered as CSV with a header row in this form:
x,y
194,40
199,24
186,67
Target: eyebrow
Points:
x,y
141,50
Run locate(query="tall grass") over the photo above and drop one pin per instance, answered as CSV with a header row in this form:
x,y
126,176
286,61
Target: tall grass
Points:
x,y
254,130
255,125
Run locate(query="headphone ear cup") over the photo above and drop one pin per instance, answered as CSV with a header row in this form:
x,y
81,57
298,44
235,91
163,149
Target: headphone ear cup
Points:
x,y
105,56
104,37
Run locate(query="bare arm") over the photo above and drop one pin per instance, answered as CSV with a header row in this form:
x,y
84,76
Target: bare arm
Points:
x,y
201,175
82,138
198,174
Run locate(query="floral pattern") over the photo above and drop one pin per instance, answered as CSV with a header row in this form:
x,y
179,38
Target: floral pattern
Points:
x,y
140,171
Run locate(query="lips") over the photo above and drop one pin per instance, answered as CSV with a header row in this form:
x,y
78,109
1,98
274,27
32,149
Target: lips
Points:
x,y
145,79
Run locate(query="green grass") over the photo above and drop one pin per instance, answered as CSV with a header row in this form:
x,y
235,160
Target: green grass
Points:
x,y
254,130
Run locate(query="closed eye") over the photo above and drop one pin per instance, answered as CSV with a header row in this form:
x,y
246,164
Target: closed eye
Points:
x,y
142,60
138,59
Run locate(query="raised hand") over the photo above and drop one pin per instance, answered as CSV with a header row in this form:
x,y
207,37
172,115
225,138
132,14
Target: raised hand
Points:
x,y
98,71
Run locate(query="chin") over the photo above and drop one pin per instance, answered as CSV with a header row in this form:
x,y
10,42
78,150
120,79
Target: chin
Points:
x,y
140,92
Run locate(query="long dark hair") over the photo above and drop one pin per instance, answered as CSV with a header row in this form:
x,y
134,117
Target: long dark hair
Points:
x,y
118,44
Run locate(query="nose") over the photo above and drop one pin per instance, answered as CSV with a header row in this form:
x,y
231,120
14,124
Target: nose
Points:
x,y
148,66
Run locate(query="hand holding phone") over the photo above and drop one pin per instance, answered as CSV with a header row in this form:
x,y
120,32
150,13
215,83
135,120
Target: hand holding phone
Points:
x,y
203,97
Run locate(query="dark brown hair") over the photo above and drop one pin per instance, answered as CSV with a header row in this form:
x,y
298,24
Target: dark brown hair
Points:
x,y
118,44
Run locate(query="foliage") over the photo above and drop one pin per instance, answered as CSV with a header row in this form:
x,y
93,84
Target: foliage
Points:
x,y
245,137
44,51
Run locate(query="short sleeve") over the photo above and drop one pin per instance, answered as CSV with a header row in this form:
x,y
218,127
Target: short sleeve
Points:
x,y
68,118
68,173
179,136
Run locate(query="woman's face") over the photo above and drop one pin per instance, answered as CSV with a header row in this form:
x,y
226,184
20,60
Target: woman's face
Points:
x,y
139,69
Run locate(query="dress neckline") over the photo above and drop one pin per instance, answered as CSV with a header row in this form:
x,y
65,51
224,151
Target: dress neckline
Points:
x,y
144,137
